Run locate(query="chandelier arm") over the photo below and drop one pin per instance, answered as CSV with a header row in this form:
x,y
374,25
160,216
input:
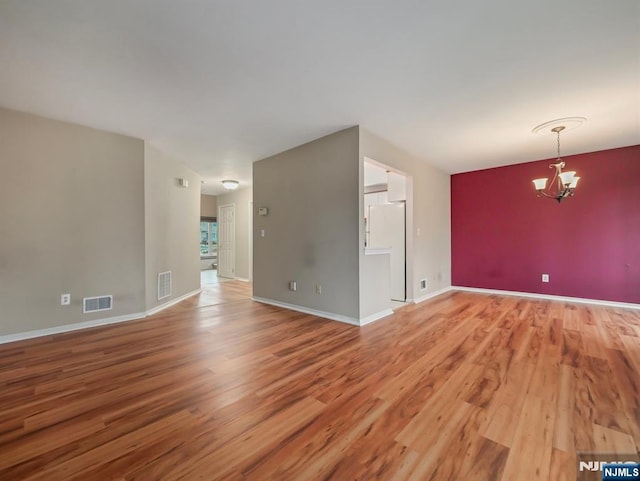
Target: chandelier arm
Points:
x,y
560,185
556,176
545,194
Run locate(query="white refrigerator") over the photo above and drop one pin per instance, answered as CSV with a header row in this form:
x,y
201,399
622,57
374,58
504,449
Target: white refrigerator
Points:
x,y
386,224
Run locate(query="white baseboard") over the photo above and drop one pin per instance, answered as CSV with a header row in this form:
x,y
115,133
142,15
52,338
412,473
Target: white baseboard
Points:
x,y
69,327
314,312
327,315
375,317
172,302
431,295
20,336
550,297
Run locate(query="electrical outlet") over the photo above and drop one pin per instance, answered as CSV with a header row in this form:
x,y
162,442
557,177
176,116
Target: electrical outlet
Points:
x,y
65,299
545,277
318,288
293,286
423,284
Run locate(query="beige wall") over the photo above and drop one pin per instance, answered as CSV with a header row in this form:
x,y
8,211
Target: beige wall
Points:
x,y
90,213
172,219
208,205
311,232
241,198
71,221
431,213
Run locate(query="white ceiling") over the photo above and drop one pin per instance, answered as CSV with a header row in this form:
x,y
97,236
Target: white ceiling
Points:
x,y
220,84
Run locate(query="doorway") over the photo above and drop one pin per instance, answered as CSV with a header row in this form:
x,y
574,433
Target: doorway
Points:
x,y
208,243
386,212
226,240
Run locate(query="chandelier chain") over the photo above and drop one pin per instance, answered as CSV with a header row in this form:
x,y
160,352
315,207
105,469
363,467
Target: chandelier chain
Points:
x,y
558,133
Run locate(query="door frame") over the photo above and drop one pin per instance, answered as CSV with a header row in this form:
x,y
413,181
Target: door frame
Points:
x,y
409,257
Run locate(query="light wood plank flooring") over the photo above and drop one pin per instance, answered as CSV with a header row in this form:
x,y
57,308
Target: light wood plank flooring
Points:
x,y
462,387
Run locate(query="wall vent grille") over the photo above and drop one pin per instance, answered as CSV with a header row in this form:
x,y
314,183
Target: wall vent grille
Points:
x,y
95,304
164,285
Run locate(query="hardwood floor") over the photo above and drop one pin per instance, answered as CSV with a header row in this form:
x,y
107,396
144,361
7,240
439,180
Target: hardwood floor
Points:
x,y
462,387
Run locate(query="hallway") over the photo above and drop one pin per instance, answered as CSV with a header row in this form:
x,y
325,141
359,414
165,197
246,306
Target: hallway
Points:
x,y
219,290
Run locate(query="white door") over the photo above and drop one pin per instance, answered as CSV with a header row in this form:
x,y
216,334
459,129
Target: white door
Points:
x,y
387,229
226,240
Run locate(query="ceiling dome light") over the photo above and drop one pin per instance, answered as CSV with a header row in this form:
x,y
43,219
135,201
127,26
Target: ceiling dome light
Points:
x,y
230,184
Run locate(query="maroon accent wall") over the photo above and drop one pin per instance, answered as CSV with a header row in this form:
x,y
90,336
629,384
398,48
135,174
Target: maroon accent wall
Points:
x,y
504,237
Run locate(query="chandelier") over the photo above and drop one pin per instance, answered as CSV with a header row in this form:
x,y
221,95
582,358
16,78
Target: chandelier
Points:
x,y
563,184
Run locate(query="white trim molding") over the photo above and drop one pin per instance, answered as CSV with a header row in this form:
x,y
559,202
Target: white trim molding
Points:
x,y
550,297
327,315
314,312
21,336
374,251
376,316
431,295
172,302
